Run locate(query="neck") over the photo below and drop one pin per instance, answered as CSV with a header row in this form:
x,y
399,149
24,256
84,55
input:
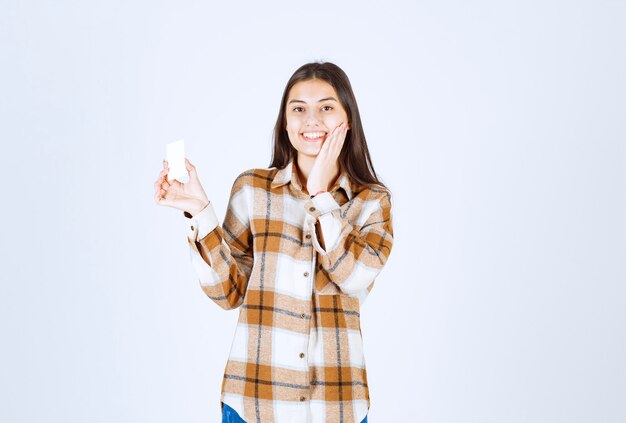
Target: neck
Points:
x,y
303,165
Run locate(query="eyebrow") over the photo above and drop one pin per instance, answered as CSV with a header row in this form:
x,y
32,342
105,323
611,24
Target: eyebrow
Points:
x,y
324,99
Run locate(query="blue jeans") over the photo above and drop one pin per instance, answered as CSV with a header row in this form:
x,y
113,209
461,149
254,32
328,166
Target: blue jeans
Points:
x,y
230,416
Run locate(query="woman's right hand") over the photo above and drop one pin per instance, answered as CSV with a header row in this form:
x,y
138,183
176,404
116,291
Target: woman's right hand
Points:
x,y
189,197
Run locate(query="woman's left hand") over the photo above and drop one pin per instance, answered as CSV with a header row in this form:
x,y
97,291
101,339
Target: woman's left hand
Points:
x,y
326,164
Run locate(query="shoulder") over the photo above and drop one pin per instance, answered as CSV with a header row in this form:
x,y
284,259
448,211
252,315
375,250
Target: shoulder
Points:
x,y
254,177
374,203
373,193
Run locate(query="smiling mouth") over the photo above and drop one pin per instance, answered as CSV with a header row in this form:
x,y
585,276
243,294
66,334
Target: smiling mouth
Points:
x,y
313,136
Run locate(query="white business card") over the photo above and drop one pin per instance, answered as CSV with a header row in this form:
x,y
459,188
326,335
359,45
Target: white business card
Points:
x,y
175,156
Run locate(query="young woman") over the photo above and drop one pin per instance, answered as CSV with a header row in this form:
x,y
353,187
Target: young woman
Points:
x,y
299,249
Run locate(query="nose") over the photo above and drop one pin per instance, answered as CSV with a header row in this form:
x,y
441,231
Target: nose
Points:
x,y
312,119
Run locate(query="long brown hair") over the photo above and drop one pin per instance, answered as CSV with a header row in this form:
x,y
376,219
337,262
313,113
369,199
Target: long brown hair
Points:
x,y
354,156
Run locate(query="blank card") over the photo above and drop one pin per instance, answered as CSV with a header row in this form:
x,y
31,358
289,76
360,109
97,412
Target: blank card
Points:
x,y
175,153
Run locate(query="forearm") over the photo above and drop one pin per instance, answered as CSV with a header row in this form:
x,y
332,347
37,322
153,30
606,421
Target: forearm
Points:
x,y
353,253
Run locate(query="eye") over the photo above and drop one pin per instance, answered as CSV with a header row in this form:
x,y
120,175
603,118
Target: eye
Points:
x,y
327,106
294,109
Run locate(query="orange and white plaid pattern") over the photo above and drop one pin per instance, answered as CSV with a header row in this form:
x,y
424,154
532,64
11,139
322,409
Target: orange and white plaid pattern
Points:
x,y
297,352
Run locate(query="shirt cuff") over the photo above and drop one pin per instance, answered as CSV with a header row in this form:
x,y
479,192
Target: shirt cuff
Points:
x,y
321,204
202,223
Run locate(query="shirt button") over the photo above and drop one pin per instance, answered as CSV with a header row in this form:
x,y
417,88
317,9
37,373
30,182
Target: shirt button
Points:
x,y
308,236
192,227
302,398
303,315
306,274
312,209
301,355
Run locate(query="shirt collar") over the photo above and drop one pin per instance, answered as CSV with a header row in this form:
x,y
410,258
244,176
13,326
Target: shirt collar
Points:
x,y
287,174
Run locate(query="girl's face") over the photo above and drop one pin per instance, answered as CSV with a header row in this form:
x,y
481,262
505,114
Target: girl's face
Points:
x,y
313,111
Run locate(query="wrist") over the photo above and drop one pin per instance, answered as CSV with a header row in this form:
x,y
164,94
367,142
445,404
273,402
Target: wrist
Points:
x,y
201,206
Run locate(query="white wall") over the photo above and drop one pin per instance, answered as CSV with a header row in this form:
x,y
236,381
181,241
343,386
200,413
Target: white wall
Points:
x,y
499,126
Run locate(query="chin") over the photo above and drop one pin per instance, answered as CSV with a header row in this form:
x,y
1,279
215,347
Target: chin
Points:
x,y
310,152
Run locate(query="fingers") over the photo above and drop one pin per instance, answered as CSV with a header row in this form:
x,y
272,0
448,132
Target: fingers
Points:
x,y
190,168
161,185
159,193
340,131
328,142
337,139
162,179
175,184
159,196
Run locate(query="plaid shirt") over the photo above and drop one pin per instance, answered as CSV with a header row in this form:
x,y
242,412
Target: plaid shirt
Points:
x,y
297,352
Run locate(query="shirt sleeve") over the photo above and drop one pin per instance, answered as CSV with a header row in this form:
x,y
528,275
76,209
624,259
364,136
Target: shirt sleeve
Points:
x,y
356,252
222,256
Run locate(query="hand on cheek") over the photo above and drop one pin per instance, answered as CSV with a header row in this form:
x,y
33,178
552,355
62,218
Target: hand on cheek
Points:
x,y
326,163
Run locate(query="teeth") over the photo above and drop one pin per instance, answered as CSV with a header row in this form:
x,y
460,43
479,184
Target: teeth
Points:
x,y
313,134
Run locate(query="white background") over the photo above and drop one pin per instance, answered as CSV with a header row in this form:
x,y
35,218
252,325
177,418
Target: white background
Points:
x,y
499,127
